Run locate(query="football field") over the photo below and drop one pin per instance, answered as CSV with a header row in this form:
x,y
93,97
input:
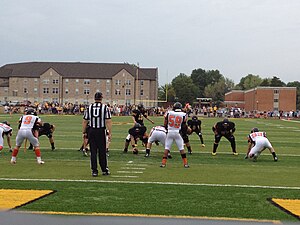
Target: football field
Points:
x,y
221,186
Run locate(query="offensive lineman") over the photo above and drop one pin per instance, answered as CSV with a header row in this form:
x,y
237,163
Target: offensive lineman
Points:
x,y
174,120
257,142
26,126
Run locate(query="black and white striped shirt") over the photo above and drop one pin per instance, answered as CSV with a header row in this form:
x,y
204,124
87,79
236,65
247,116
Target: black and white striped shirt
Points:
x,y
96,114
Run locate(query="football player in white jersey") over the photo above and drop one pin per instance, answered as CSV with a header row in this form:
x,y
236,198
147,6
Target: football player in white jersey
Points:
x,y
257,142
157,134
173,121
26,127
6,130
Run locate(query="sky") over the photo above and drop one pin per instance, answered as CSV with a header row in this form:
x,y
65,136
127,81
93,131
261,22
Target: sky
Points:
x,y
236,37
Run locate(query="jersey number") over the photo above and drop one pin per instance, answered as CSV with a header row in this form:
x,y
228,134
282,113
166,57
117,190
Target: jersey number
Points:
x,y
27,120
175,121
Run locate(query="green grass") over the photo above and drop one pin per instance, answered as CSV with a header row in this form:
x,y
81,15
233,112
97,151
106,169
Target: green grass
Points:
x,y
146,188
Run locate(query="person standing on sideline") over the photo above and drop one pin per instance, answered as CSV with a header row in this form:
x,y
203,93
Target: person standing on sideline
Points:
x,y
174,120
98,117
257,142
27,124
224,128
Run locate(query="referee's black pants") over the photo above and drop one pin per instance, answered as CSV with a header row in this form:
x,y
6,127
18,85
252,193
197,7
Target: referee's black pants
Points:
x,y
97,141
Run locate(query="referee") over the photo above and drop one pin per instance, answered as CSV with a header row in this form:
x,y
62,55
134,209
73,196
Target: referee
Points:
x,y
98,117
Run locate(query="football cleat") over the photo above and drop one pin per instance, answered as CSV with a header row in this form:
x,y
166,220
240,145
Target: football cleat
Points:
x,y
203,145
95,174
163,165
12,161
147,155
186,166
106,173
40,162
169,156
275,159
246,157
125,150
190,152
213,153
235,153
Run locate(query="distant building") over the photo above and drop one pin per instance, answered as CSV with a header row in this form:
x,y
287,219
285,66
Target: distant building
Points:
x,y
263,99
76,82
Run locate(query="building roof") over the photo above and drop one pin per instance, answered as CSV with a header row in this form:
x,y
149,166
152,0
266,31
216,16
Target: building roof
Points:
x,y
76,70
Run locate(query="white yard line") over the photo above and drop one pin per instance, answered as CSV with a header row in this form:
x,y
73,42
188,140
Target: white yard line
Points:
x,y
156,183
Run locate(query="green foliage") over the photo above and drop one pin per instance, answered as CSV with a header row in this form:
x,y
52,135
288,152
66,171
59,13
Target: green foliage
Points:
x,y
249,82
296,84
185,89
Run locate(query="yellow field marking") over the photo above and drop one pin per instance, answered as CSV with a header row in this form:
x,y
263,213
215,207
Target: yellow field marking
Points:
x,y
152,216
292,206
12,198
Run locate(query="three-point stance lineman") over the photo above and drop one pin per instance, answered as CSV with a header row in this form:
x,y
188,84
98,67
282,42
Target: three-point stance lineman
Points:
x,y
257,142
173,121
224,128
98,117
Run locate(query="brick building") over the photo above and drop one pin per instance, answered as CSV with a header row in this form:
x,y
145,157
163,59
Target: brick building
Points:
x,y
77,82
263,99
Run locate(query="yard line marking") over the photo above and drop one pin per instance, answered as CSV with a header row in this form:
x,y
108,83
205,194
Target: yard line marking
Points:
x,y
294,121
124,176
153,182
132,168
120,171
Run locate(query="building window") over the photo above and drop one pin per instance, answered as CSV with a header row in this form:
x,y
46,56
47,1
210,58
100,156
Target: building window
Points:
x,y
127,92
25,90
86,91
107,81
35,80
5,89
46,90
86,81
67,91
117,92
142,82
118,82
54,99
46,81
15,93
107,92
25,81
55,81
276,91
98,81
55,90
275,100
142,92
35,90
77,81
76,91
128,82
67,81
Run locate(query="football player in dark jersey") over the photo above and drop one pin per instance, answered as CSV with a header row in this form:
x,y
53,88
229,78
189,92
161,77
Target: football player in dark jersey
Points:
x,y
46,129
138,116
138,132
184,132
224,128
195,125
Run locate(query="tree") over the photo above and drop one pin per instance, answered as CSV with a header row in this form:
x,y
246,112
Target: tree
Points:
x,y
276,82
296,84
217,91
249,82
202,78
265,82
166,93
185,89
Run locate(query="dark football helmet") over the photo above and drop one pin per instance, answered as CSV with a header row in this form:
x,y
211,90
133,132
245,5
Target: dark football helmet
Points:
x,y
6,122
195,118
31,112
140,107
177,106
254,129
